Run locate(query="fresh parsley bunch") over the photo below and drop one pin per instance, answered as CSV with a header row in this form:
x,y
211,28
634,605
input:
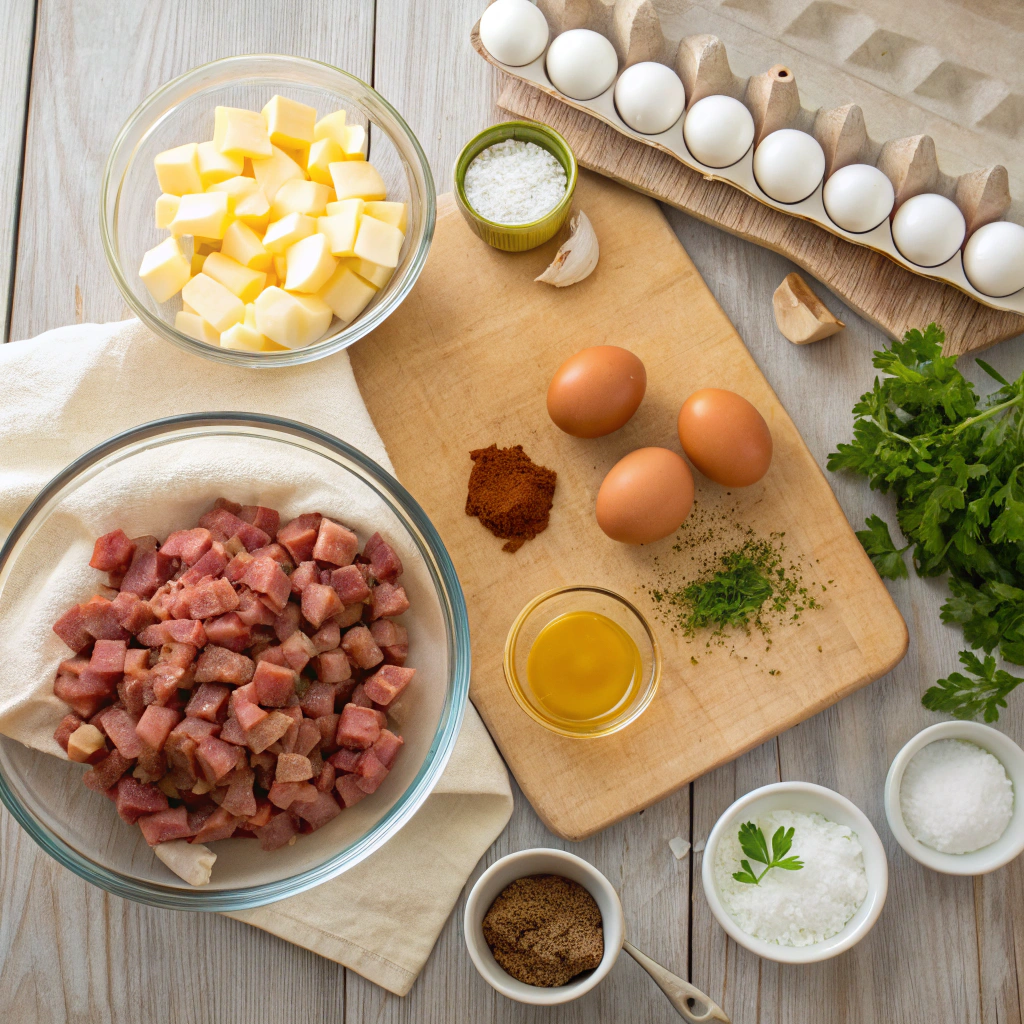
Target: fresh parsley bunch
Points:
x,y
755,846
955,463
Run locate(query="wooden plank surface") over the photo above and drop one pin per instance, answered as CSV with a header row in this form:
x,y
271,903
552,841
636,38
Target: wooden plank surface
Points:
x,y
944,949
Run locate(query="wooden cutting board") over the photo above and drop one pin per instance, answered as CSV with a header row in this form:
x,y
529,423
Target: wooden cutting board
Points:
x,y
465,362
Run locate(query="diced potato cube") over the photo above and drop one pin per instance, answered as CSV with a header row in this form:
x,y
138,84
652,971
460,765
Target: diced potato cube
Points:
x,y
375,274
281,267
185,306
378,242
396,214
177,170
353,142
204,246
216,166
347,294
291,320
309,264
274,171
239,132
296,196
289,123
205,214
241,243
237,188
272,278
254,210
300,155
330,127
357,179
341,225
217,305
196,327
166,208
322,154
245,283
84,742
165,270
244,339
198,260
287,231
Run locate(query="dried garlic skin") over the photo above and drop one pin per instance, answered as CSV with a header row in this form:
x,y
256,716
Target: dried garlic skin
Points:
x,y
578,256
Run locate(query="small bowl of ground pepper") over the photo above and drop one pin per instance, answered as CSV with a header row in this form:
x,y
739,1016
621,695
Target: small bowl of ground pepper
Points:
x,y
543,926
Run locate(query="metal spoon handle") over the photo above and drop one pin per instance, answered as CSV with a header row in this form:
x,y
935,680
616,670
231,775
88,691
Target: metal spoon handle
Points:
x,y
693,1006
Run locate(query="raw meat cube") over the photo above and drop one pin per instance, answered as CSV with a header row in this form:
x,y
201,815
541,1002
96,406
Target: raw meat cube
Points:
x,y
308,738
156,724
184,631
149,571
243,695
240,798
324,780
284,794
136,798
287,622
247,715
152,765
387,683
228,631
264,810
68,724
360,698
335,544
210,598
70,627
209,702
219,825
371,772
350,585
73,666
328,726
107,659
333,667
318,699
387,746
252,611
132,612
219,665
267,731
221,522
299,536
163,681
388,600
319,603
278,554
232,506
102,776
319,811
306,573
112,552
278,832
136,662
100,620
293,767
345,760
265,576
274,655
234,571
188,545
132,691
274,684
349,615
327,637
387,566
266,519
199,813
164,826
359,645
194,728
298,649
211,564
120,727
176,653
216,758
232,732
358,727
348,790
393,640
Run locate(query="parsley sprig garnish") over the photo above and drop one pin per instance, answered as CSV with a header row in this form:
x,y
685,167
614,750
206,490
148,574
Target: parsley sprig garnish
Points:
x,y
955,464
755,846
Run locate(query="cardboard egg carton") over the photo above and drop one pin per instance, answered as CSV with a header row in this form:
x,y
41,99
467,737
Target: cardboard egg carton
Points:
x,y
636,30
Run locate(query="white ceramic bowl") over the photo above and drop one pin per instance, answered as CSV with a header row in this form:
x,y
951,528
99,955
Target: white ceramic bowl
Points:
x,y
807,798
1009,845
541,862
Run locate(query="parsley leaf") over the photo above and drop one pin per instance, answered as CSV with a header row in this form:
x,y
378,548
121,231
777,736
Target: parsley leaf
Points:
x,y
755,846
963,697
888,559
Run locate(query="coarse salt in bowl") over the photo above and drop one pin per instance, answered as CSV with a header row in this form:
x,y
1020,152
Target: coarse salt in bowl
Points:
x,y
807,798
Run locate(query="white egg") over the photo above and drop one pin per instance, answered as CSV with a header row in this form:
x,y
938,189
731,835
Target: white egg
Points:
x,y
928,229
788,165
581,64
858,197
718,130
514,32
994,258
649,97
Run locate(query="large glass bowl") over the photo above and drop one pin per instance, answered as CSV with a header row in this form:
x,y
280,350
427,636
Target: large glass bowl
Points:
x,y
250,459
182,111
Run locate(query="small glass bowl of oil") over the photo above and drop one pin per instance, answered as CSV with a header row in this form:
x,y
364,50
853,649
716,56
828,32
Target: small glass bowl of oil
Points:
x,y
582,661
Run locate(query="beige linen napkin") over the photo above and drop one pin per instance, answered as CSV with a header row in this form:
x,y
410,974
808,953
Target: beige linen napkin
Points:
x,y
69,389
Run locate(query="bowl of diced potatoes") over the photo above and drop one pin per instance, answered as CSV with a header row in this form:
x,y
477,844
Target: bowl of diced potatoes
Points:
x,y
266,210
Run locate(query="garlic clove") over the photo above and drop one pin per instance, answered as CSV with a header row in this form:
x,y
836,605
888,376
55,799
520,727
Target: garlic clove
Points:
x,y
802,317
578,256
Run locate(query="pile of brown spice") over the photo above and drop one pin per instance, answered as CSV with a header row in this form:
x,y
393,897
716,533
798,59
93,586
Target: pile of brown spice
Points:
x,y
510,494
544,930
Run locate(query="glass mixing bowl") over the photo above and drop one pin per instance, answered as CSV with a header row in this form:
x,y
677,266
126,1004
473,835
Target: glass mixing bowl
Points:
x,y
182,111
186,462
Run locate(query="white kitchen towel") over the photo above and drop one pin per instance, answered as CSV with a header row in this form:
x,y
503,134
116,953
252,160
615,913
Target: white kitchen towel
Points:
x,y
69,389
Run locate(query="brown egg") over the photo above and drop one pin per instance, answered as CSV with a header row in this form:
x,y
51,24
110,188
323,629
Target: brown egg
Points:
x,y
725,437
645,496
596,391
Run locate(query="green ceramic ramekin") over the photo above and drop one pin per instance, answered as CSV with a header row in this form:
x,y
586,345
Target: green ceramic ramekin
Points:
x,y
517,237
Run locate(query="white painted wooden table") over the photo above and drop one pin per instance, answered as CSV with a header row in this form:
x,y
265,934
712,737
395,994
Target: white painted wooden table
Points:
x,y
945,949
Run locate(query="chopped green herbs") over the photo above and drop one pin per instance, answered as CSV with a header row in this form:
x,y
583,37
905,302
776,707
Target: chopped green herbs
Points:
x,y
755,846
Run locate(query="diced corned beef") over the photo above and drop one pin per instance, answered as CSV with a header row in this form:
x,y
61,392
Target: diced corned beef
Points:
x,y
165,826
264,810
232,506
210,701
219,825
216,758
152,765
68,724
328,726
319,603
194,728
306,573
112,552
387,683
387,566
278,832
132,612
393,640
387,746
107,659
297,650
235,569
350,585
308,738
359,645
333,667
293,767
274,655
345,760
265,576
243,695
299,536
278,554
199,811
181,758
348,789
327,637
73,666
232,732
156,724
252,611
266,519
371,768
135,798
318,812
267,731
240,798
221,521
284,794
274,684
360,698
349,615
388,600
84,694
324,780
335,544
228,631
101,621
132,691
210,598
219,665
318,699
211,564
120,727
136,662
182,631
358,727
103,775
175,653
149,571
188,545
287,622
325,577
